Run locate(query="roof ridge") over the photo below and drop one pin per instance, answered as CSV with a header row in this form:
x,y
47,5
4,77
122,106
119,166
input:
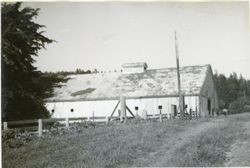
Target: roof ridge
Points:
x,y
186,66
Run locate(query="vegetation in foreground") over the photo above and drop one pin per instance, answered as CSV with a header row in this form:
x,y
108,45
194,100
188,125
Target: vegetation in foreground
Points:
x,y
202,142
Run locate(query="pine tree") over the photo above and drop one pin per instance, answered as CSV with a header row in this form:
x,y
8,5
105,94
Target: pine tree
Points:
x,y
21,40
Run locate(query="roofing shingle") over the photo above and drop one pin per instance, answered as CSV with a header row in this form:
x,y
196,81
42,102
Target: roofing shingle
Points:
x,y
151,83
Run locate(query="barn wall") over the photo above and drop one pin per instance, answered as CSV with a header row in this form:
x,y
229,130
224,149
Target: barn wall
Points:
x,y
208,91
105,107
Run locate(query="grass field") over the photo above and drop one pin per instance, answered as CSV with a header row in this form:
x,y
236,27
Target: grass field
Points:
x,y
203,142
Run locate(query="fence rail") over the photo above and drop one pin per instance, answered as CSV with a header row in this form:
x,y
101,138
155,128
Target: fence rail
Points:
x,y
41,124
37,124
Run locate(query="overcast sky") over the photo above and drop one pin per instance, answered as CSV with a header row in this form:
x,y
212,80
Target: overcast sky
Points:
x,y
108,34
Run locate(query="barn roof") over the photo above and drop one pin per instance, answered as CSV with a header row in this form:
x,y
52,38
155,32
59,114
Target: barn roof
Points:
x,y
151,83
136,64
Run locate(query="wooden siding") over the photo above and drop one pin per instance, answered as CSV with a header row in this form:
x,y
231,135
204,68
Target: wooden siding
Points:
x,y
208,91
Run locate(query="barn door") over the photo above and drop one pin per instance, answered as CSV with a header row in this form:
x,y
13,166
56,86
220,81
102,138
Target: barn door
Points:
x,y
173,110
209,106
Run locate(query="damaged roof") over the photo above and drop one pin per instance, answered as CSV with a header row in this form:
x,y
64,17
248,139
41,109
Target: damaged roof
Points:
x,y
150,83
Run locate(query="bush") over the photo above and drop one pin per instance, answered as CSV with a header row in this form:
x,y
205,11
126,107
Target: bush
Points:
x,y
240,105
14,138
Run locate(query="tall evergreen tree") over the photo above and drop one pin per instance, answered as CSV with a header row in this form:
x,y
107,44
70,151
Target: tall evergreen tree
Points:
x,y
21,40
233,89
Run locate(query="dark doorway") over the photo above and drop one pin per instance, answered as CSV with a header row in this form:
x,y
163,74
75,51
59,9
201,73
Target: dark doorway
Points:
x,y
174,109
209,106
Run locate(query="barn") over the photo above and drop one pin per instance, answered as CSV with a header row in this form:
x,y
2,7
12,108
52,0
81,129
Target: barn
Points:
x,y
145,90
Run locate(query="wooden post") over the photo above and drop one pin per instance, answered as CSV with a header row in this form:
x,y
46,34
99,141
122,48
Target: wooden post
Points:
x,y
67,123
107,120
40,127
160,117
120,115
136,109
123,108
160,107
181,98
5,125
144,114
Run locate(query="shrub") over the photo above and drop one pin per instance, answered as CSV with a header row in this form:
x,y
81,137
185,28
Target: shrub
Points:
x,y
240,105
14,138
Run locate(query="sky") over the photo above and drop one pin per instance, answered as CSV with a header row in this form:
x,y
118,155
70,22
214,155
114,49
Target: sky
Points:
x,y
104,35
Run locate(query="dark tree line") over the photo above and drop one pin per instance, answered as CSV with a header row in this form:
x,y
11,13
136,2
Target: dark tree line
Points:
x,y
65,73
233,91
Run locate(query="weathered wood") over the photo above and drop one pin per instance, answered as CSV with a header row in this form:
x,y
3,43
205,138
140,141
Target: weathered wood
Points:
x,y
99,117
23,122
40,127
123,108
144,114
160,117
77,118
115,108
107,120
136,111
5,125
130,111
114,118
67,122
51,120
181,103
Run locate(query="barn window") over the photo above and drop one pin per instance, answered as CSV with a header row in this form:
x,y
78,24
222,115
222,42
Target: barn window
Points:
x,y
136,108
72,110
160,107
52,110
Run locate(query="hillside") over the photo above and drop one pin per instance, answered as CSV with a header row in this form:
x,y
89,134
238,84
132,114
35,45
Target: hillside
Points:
x,y
222,141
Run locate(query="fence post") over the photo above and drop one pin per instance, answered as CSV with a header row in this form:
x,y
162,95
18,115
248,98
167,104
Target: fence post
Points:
x,y
5,125
40,127
107,119
160,107
120,114
123,108
67,123
160,117
136,109
144,114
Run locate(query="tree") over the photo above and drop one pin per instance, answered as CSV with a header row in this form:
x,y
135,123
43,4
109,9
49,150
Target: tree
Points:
x,y
21,40
232,91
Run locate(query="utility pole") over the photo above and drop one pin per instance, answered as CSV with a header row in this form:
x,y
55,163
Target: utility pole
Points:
x,y
181,97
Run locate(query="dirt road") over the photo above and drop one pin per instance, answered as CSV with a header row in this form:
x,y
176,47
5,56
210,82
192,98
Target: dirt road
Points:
x,y
163,156
239,154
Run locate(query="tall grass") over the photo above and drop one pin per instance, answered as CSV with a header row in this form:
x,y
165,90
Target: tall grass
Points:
x,y
131,144
210,148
